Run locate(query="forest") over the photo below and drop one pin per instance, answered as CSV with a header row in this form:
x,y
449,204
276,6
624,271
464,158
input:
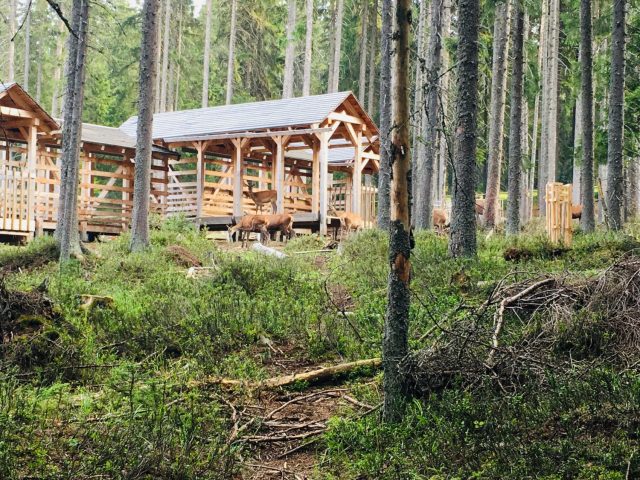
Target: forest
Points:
x,y
320,239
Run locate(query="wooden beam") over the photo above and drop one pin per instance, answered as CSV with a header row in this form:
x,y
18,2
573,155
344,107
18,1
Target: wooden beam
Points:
x,y
238,144
16,112
199,178
279,173
356,195
344,117
20,123
230,136
315,178
324,181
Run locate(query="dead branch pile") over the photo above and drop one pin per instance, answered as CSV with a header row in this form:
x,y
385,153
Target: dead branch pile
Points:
x,y
531,331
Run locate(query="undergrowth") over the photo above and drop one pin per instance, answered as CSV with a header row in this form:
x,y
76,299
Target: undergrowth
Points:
x,y
110,394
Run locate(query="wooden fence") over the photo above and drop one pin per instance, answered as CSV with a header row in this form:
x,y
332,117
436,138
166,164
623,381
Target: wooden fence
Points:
x,y
16,200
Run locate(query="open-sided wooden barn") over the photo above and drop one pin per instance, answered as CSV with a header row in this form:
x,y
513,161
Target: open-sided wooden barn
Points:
x,y
317,153
30,171
290,146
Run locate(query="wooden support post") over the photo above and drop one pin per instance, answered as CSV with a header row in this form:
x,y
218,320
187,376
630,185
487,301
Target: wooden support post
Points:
x,y
315,178
356,195
237,177
31,186
279,173
199,180
324,181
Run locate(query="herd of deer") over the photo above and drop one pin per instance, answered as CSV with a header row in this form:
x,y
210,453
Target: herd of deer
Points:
x,y
349,222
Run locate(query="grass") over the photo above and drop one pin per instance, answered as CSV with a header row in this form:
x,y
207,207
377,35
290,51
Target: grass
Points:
x,y
111,395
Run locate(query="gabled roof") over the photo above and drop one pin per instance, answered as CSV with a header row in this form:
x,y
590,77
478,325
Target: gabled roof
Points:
x,y
14,96
106,136
247,117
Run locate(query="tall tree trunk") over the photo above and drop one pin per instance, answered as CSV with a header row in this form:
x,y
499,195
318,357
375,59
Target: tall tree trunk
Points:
x,y
176,96
384,175
463,219
332,42
419,113
396,327
549,104
524,133
11,54
165,57
163,4
308,45
577,148
67,226
373,25
496,119
588,219
207,56
39,80
290,52
27,48
362,78
425,179
445,84
144,138
231,65
632,188
338,47
616,119
57,73
515,132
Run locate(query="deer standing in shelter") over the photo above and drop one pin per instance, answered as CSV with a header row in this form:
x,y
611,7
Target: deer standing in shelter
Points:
x,y
262,198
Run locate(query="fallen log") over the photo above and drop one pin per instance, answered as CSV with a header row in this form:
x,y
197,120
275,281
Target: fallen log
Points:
x,y
313,376
260,248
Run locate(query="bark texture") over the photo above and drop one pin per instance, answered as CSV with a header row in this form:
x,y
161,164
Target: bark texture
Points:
x,y
395,340
165,57
337,51
290,52
515,131
462,241
207,56
67,226
373,25
445,84
497,109
144,139
549,104
27,48
384,175
308,45
57,73
232,51
425,179
11,53
588,218
362,77
615,190
419,112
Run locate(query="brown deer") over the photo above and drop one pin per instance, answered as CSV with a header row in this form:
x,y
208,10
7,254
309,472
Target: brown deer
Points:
x,y
262,198
576,212
282,222
440,220
348,221
248,224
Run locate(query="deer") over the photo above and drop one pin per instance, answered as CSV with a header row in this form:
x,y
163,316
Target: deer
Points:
x,y
248,224
576,212
262,198
440,220
282,222
348,221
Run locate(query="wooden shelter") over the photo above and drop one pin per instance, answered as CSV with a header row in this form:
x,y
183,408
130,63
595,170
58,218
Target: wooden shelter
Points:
x,y
291,146
30,171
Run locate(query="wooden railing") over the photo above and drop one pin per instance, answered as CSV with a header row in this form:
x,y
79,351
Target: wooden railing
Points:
x,y
341,194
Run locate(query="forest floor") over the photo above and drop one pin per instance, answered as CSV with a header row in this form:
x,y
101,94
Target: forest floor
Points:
x,y
162,364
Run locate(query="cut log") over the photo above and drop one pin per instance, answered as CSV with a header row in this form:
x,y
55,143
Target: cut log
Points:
x,y
314,376
260,248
